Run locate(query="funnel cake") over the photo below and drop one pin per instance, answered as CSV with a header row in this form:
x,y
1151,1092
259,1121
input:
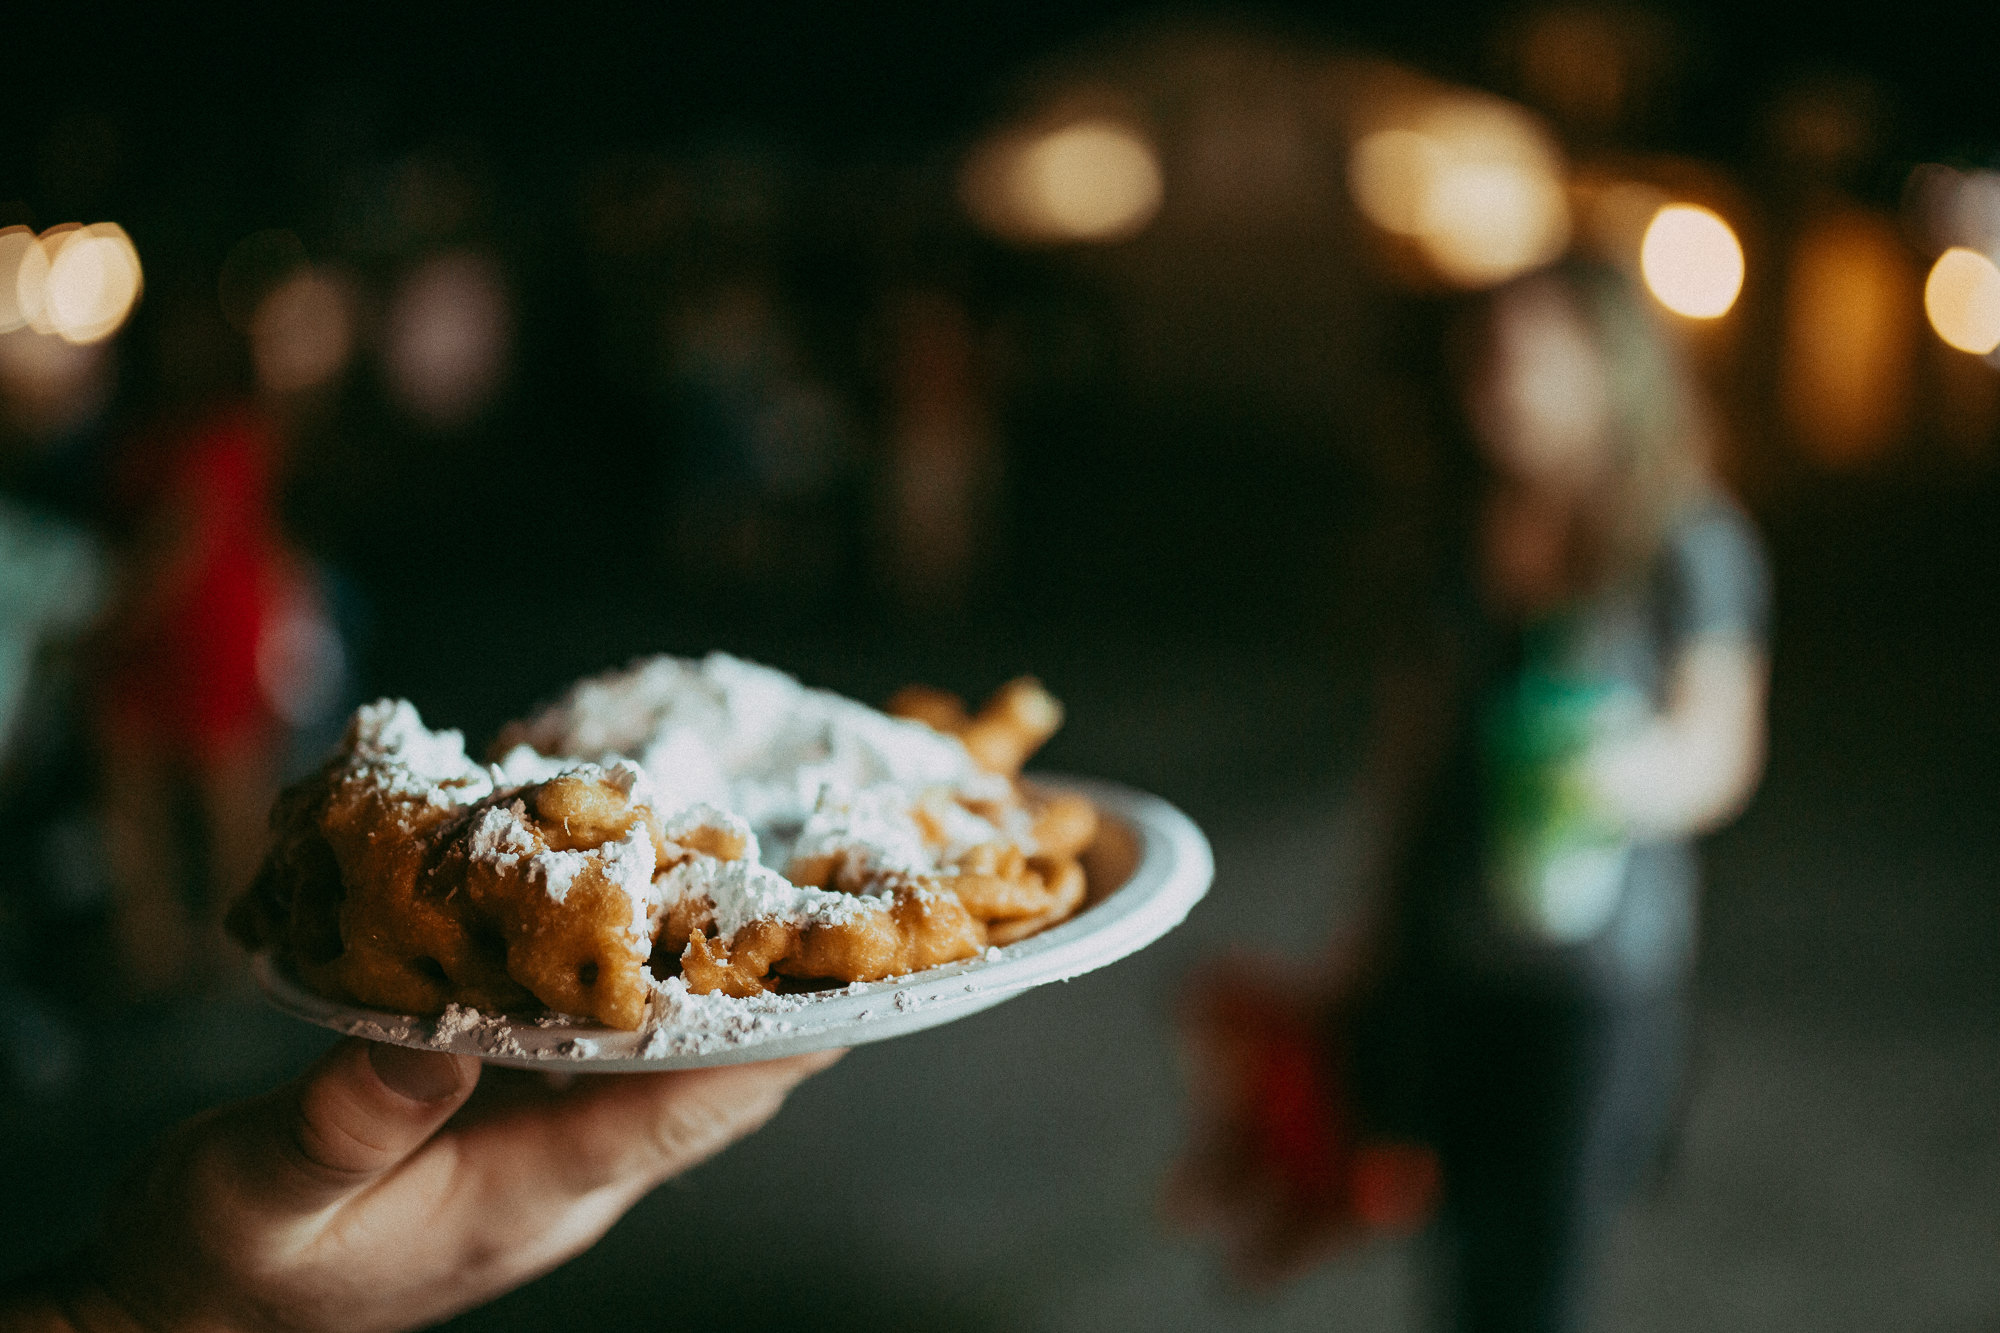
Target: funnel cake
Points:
x,y
635,831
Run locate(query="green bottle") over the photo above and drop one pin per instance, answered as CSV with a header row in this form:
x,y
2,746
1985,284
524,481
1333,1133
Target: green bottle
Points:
x,y
1555,860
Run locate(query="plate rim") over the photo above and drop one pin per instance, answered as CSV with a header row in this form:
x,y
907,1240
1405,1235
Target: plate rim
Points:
x,y
1174,870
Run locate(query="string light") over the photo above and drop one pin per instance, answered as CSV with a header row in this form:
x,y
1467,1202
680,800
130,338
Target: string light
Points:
x,y
1962,299
1692,261
93,283
1094,180
1474,184
74,282
15,243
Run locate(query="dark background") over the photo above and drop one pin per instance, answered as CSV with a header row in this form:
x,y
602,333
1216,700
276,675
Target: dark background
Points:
x,y
1180,566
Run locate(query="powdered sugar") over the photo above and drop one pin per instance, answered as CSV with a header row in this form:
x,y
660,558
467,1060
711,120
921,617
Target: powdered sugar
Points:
x,y
682,824
744,891
503,836
746,738
409,759
740,771
492,1034
683,1023
500,835
873,826
795,772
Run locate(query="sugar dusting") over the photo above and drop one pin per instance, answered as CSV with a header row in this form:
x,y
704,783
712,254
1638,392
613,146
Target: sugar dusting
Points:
x,y
713,744
723,744
746,738
743,891
681,1022
492,1034
678,1023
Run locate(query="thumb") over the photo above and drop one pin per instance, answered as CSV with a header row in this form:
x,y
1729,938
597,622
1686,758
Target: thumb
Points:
x,y
357,1114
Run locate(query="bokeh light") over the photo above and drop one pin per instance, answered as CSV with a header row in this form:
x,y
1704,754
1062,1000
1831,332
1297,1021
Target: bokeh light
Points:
x,y
302,332
446,339
93,282
77,283
15,243
1390,172
31,278
1692,261
1962,299
1093,180
1476,184
1848,356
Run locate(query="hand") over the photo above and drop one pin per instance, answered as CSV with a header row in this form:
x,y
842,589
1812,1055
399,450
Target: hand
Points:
x,y
1692,768
378,1192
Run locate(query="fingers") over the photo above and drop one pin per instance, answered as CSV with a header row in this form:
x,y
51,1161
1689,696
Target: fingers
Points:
x,y
659,1125
361,1111
636,1130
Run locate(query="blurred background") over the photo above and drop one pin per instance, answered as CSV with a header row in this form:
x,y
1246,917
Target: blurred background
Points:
x,y
350,351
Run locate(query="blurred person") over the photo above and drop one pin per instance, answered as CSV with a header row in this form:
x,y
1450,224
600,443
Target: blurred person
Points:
x,y
387,1188
206,648
1587,698
762,439
51,586
940,477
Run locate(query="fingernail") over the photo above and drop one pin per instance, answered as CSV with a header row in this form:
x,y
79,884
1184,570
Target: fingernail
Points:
x,y
422,1076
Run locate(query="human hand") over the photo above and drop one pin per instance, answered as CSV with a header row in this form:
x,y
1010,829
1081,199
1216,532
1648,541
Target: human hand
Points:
x,y
1691,768
379,1192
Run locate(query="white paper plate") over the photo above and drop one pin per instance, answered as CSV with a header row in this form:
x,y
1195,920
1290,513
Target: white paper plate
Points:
x,y
1149,866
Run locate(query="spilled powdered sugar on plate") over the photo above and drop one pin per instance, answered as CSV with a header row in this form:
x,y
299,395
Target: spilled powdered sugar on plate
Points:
x,y
678,1022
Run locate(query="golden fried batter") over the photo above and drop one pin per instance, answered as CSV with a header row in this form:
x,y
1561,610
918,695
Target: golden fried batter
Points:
x,y
405,878
921,926
380,895
1017,721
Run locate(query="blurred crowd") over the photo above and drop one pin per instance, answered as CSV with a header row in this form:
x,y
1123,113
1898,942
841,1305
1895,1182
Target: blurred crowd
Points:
x,y
1180,327
921,381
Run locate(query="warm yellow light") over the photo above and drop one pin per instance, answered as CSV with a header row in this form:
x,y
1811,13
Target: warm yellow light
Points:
x,y
1391,173
15,243
1474,183
31,279
1692,261
1962,298
1488,221
1094,181
1090,180
78,283
93,281
1848,355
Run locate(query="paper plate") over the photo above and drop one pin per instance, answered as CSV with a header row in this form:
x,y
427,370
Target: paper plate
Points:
x,y
1150,864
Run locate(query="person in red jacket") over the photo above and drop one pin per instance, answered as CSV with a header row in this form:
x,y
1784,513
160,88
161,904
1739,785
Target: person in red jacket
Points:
x,y
193,673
